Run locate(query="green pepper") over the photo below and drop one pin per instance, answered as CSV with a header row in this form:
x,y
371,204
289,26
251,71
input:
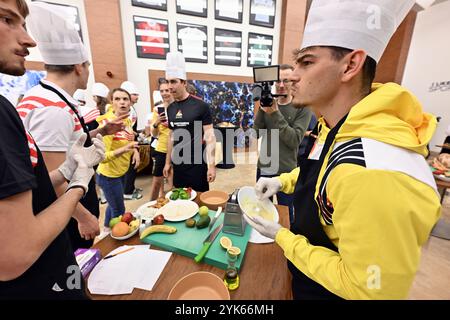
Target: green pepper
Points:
x,y
174,195
183,195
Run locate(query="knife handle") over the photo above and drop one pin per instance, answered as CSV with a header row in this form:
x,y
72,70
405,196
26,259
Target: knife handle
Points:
x,y
202,252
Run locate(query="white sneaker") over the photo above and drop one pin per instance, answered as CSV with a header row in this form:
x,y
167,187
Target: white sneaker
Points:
x,y
105,232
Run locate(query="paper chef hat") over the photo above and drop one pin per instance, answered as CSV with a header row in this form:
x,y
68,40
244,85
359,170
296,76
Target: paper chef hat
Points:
x,y
100,90
355,24
129,87
175,66
56,36
79,95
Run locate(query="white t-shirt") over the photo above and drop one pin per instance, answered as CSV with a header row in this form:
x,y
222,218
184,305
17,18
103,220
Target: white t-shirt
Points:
x,y
50,121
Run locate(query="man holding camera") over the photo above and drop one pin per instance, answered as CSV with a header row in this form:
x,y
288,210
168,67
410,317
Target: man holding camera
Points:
x,y
282,127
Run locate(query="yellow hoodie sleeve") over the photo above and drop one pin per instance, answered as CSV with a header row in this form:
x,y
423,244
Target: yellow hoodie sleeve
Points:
x,y
380,232
289,180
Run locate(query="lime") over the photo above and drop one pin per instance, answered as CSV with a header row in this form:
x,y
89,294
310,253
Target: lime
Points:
x,y
225,242
203,211
235,251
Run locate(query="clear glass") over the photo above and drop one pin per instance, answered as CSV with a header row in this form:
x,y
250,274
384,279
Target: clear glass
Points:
x,y
231,278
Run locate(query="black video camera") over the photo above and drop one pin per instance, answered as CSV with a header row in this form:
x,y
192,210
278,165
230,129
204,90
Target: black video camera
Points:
x,y
265,78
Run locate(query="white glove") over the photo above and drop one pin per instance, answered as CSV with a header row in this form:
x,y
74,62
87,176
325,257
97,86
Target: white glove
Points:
x,y
82,174
92,155
265,227
267,187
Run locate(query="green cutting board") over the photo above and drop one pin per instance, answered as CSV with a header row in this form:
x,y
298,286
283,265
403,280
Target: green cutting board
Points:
x,y
189,241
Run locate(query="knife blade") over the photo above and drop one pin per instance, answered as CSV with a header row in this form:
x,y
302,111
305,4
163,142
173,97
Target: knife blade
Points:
x,y
207,243
216,216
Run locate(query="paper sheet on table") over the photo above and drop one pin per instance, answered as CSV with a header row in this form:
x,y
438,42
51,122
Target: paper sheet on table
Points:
x,y
256,237
138,268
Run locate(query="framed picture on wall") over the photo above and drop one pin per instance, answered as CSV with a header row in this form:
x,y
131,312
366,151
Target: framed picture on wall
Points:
x,y
227,47
259,49
152,37
193,7
151,4
193,42
70,11
262,13
228,10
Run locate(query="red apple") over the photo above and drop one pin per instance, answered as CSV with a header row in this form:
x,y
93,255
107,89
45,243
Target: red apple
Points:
x,y
127,217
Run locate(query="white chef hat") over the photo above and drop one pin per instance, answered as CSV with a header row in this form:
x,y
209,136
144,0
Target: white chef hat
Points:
x,y
57,38
99,89
354,24
175,66
129,87
157,97
79,95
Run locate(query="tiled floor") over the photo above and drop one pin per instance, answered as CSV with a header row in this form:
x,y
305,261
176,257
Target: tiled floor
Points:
x,y
433,278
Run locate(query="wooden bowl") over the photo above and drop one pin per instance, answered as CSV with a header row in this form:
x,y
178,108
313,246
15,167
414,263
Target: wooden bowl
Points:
x,y
214,199
200,285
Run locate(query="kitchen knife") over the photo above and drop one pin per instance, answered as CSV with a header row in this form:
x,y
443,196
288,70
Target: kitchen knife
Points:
x,y
207,243
211,224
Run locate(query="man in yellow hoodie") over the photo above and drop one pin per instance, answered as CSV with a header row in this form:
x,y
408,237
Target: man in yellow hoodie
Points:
x,y
365,200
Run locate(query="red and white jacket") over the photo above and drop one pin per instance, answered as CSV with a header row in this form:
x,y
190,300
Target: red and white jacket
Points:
x,y
52,123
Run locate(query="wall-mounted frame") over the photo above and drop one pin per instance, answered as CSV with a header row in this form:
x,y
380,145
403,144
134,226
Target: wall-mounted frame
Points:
x,y
197,8
262,13
152,37
259,49
228,10
193,42
70,11
151,4
227,47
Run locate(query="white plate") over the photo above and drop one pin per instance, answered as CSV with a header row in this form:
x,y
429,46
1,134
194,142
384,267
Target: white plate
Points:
x,y
193,195
247,195
130,234
179,210
145,212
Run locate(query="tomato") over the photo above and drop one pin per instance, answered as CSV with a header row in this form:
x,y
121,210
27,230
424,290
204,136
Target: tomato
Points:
x,y
189,191
159,219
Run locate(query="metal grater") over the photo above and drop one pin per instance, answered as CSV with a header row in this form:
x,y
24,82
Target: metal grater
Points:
x,y
233,221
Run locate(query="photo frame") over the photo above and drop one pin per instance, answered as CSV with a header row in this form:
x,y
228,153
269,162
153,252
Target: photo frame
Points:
x,y
260,48
197,8
262,13
193,42
227,47
71,11
152,37
150,4
228,10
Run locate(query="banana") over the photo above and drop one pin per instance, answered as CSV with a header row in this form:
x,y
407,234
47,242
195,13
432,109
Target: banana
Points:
x,y
157,228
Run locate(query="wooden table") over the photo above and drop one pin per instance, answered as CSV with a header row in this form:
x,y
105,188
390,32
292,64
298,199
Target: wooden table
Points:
x,y
442,187
264,274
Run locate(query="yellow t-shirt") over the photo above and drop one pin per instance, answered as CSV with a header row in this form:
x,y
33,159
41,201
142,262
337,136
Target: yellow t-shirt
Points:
x,y
163,135
115,166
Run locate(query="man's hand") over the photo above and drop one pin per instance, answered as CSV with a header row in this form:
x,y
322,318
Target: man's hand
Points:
x,y
136,160
267,187
271,109
88,226
114,126
211,173
166,170
92,155
265,227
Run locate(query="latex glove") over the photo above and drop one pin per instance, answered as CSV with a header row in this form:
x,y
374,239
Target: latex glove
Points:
x,y
82,174
265,227
88,227
92,155
267,187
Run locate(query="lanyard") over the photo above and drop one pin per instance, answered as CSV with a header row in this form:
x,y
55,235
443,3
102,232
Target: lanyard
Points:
x,y
71,106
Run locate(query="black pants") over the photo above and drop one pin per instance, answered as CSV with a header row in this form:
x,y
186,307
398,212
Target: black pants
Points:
x,y
130,178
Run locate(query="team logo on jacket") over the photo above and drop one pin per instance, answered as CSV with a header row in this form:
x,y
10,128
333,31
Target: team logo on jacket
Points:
x,y
179,115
